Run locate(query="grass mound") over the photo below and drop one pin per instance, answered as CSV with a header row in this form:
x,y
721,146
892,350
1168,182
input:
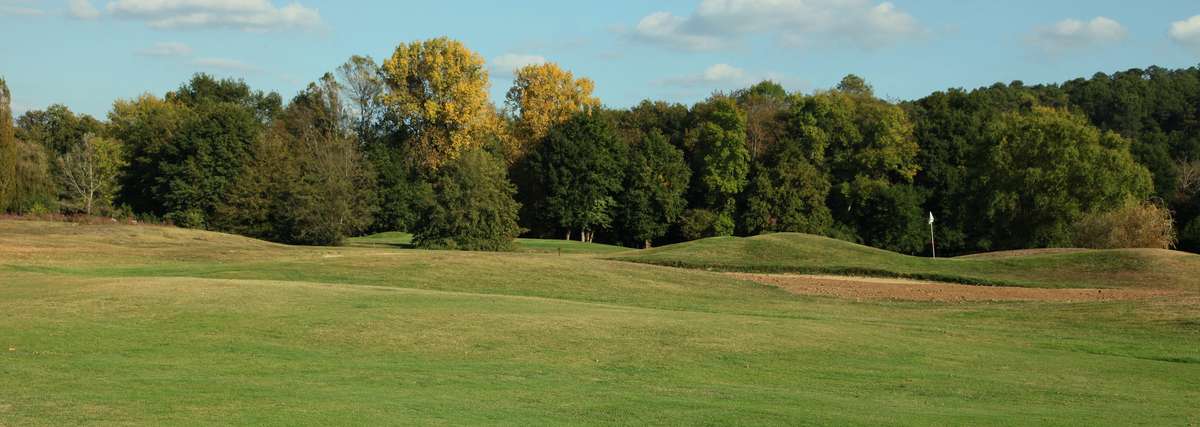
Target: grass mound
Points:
x,y
808,254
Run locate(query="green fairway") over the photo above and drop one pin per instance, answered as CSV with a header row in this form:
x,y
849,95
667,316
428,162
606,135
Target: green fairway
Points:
x,y
404,240
803,253
110,324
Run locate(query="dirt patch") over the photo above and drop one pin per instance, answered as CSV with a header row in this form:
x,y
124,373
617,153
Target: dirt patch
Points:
x,y
860,288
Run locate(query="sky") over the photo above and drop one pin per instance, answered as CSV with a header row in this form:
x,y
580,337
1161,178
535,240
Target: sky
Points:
x,y
86,54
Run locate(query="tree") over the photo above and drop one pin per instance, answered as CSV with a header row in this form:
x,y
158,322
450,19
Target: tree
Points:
x,y
787,193
57,128
1047,167
578,172
886,215
8,149
363,86
204,89
307,183
147,128
720,160
671,120
855,85
866,147
472,206
186,149
438,90
544,95
763,103
656,181
89,172
34,186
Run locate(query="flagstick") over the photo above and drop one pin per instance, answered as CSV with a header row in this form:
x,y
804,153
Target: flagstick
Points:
x,y
932,241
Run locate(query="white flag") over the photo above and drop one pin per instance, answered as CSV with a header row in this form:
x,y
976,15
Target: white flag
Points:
x,y
931,218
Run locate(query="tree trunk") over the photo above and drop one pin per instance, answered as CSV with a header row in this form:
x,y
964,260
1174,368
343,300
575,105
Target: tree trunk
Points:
x,y
646,245
568,235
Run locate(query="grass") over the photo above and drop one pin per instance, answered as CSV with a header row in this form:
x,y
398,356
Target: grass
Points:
x,y
152,325
548,246
803,253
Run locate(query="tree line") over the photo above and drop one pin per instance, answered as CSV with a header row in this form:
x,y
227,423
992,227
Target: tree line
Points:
x,y
415,144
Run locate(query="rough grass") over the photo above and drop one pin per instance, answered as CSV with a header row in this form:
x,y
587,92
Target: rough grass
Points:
x,y
802,253
149,325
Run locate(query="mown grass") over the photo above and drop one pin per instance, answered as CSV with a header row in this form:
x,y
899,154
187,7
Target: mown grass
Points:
x,y
396,239
802,253
142,325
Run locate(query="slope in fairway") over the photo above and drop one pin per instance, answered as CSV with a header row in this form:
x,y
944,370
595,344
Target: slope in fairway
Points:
x,y
149,325
803,253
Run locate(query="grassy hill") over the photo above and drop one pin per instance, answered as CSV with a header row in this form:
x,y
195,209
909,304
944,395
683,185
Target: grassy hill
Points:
x,y
109,324
802,253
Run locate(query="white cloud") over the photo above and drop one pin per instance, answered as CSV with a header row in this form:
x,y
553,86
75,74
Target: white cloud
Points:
x,y
1187,32
717,24
249,15
1073,34
166,49
716,76
507,64
82,9
224,64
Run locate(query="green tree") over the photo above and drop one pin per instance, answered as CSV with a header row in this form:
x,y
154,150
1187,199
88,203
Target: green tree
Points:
x,y
213,146
185,150
866,146
57,128
204,89
471,208
307,182
34,187
1047,167
720,159
654,192
578,172
147,128
787,193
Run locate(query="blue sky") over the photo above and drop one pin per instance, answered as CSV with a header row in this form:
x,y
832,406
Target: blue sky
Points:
x,y
85,54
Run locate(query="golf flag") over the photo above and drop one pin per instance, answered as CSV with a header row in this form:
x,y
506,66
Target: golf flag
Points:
x,y
931,218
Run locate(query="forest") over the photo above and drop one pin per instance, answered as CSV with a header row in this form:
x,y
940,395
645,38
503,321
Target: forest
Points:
x,y
415,144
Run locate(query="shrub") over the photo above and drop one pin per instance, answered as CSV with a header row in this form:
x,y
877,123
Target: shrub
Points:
x,y
1132,225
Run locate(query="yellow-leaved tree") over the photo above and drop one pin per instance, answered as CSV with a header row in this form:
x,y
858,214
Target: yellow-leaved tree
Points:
x,y
544,95
439,89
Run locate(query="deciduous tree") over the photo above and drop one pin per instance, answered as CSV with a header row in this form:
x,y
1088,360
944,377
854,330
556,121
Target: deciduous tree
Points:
x,y
472,206
578,171
544,95
1047,167
438,89
653,198
720,159
8,149
89,173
